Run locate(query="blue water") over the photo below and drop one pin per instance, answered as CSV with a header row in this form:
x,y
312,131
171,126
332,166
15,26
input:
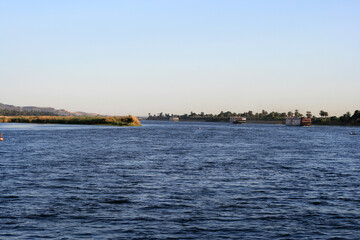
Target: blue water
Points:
x,y
169,180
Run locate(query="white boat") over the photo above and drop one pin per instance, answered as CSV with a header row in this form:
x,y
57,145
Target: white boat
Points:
x,y
237,120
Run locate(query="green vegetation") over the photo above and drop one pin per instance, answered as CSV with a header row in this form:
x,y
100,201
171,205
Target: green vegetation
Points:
x,y
345,120
222,116
324,119
117,121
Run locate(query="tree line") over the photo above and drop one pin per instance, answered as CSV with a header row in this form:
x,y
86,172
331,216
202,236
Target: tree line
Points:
x,y
345,119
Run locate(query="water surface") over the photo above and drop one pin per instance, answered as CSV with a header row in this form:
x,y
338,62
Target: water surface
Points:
x,y
172,180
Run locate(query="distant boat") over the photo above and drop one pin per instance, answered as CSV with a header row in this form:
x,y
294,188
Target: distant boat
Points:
x,y
237,120
1,138
298,121
353,133
175,119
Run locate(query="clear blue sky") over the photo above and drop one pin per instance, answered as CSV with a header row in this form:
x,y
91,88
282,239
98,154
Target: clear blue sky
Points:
x,y
139,57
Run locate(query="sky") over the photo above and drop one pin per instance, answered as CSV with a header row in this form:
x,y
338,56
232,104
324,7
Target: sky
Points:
x,y
138,57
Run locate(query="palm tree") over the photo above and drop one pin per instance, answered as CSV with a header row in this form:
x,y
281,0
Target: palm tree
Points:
x,y
308,114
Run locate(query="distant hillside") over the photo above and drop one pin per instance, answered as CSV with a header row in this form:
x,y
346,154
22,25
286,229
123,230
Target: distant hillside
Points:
x,y
11,110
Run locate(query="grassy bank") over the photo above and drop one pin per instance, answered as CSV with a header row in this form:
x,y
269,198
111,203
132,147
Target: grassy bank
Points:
x,y
116,121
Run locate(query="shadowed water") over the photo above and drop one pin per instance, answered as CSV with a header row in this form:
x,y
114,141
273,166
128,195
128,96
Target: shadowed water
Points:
x,y
171,180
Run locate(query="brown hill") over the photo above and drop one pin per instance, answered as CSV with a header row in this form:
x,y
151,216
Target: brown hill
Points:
x,y
60,112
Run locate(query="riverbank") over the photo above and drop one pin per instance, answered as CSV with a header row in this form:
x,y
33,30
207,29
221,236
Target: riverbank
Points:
x,y
85,120
277,122
265,121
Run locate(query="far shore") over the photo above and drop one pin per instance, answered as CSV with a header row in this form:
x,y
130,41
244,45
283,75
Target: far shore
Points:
x,y
84,120
201,120
275,122
265,122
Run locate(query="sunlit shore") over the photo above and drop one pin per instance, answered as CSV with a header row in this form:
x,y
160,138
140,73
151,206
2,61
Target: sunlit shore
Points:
x,y
86,120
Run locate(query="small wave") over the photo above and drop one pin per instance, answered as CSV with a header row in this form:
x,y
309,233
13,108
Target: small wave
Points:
x,y
10,197
41,216
117,201
166,206
319,203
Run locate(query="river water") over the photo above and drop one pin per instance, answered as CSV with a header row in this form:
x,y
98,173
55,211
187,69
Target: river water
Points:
x,y
172,180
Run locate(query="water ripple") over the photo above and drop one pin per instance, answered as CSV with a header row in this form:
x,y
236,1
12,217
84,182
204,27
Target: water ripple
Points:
x,y
170,180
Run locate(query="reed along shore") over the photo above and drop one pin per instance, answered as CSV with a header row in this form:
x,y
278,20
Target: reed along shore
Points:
x,y
86,120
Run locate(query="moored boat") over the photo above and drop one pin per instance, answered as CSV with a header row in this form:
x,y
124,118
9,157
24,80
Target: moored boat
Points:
x,y
175,119
237,120
298,121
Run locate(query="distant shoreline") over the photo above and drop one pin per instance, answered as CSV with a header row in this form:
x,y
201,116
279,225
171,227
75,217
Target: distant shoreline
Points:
x,y
201,120
84,120
264,117
265,122
275,122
